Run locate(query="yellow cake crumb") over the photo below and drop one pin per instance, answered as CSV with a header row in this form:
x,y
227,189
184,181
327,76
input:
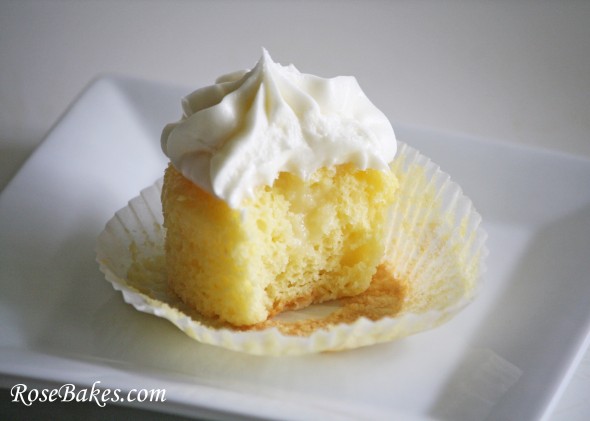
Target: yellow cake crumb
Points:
x,y
292,244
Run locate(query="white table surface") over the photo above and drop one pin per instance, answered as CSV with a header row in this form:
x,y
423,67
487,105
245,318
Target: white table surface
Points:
x,y
516,72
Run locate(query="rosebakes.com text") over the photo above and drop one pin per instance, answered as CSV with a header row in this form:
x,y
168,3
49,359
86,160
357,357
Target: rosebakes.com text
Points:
x,y
20,393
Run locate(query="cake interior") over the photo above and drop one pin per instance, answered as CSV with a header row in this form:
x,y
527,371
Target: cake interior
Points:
x,y
294,243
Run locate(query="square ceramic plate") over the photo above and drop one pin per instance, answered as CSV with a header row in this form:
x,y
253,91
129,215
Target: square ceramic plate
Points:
x,y
508,355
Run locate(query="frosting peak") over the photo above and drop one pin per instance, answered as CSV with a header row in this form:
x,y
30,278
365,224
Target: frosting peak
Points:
x,y
241,132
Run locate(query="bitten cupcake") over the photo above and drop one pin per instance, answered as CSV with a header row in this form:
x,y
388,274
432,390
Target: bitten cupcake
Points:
x,y
278,194
290,220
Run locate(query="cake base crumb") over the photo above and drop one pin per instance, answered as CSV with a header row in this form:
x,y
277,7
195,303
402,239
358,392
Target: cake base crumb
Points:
x,y
384,298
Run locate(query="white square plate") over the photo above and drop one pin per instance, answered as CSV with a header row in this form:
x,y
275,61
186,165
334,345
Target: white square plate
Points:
x,y
508,355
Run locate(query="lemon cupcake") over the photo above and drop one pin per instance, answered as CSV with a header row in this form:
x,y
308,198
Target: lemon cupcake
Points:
x,y
278,194
291,221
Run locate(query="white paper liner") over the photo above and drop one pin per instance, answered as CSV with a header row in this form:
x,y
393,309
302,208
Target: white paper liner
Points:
x,y
437,251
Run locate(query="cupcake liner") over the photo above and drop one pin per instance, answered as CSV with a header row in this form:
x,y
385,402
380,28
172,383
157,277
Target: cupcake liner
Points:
x,y
432,269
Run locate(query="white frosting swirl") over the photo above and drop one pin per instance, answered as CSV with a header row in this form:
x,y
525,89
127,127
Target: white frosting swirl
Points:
x,y
243,131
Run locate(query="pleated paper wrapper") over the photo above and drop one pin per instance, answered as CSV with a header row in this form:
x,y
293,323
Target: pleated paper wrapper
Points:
x,y
433,268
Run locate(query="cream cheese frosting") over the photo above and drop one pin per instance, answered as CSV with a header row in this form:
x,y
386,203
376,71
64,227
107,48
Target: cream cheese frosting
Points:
x,y
251,125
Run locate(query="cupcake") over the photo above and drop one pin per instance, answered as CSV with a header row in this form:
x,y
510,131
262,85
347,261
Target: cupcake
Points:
x,y
291,221
278,194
